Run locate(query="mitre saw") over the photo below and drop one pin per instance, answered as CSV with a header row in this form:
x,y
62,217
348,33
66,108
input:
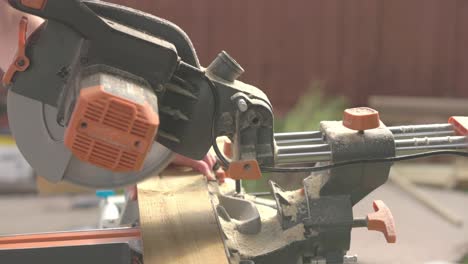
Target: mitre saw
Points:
x,y
102,95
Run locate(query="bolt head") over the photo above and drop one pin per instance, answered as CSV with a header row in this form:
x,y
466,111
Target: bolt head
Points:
x,y
242,105
20,63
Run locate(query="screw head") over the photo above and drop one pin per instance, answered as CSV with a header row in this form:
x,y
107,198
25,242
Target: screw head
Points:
x,y
242,105
21,62
84,60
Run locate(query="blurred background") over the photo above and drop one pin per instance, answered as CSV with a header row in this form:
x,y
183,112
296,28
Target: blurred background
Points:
x,y
354,48
313,58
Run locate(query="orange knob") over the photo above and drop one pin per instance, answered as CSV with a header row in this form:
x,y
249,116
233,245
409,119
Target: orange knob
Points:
x,y
460,125
361,118
382,220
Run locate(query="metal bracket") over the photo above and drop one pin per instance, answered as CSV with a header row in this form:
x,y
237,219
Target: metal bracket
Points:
x,y
346,144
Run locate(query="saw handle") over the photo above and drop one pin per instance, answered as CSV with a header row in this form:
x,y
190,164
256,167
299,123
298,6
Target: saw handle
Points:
x,y
73,13
382,220
20,62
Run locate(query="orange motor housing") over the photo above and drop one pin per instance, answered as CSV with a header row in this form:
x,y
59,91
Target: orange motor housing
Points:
x,y
111,130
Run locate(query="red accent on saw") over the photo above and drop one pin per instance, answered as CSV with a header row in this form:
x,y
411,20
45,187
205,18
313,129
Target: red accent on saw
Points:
x,y
382,220
244,170
460,125
20,61
62,239
111,132
34,4
361,118
228,149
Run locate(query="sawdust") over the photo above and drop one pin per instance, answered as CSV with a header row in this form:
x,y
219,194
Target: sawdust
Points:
x,y
291,211
314,183
270,238
294,198
229,186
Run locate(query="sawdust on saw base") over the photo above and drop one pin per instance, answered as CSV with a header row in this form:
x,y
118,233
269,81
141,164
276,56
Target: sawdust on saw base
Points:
x,y
294,198
270,238
314,184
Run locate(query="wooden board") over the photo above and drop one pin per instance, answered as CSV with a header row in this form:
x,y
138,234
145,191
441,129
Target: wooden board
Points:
x,y
178,222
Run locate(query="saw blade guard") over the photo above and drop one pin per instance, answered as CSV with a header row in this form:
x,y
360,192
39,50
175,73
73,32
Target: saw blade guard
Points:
x,y
41,141
43,125
114,122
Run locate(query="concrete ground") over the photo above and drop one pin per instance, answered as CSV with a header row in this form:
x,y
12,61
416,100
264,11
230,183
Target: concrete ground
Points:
x,y
31,214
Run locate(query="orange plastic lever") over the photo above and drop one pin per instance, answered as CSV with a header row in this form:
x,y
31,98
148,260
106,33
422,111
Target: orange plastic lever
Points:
x,y
228,148
20,62
460,125
382,220
34,4
361,118
244,170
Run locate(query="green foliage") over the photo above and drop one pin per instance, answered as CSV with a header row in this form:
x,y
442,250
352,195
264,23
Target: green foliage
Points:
x,y
465,260
311,108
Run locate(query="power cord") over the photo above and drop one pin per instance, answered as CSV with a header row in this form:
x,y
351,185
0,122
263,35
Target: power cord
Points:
x,y
364,161
214,92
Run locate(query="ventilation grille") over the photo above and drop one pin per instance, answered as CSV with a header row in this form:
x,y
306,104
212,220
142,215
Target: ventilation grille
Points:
x,y
95,110
82,144
140,126
103,154
118,116
110,132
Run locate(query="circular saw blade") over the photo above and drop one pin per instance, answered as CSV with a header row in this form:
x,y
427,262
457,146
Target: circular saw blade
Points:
x,y
40,140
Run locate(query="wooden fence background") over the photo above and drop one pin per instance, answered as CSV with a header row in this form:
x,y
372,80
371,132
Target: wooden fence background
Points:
x,y
356,48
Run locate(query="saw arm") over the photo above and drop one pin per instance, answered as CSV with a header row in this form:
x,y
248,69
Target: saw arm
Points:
x,y
103,95
120,91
